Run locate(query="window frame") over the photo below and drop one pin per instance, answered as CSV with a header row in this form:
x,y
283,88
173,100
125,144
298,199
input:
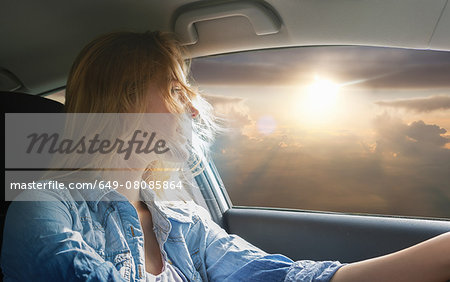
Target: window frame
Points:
x,y
216,186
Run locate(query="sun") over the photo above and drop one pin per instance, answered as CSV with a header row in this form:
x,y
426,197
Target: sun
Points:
x,y
318,100
321,95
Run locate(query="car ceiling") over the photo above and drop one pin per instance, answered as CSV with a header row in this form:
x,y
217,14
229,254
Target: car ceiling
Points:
x,y
40,39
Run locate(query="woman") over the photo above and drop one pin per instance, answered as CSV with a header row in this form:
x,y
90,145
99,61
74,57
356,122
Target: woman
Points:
x,y
136,234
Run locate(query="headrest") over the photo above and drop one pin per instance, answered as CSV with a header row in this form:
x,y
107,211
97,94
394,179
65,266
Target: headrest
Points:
x,y
14,102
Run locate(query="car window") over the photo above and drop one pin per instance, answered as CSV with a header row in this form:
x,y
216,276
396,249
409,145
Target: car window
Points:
x,y
59,96
342,128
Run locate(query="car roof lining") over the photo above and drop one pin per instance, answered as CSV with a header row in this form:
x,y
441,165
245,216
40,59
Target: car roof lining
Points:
x,y
39,52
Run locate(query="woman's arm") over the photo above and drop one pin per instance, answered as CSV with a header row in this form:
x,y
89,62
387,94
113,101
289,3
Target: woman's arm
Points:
x,y
230,258
427,261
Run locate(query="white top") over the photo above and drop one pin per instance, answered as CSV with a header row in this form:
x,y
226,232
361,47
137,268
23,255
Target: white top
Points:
x,y
169,274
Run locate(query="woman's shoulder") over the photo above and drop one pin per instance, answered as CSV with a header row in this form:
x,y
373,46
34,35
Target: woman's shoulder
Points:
x,y
41,193
40,206
42,190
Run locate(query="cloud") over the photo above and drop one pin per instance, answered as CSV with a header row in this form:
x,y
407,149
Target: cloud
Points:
x,y
381,68
226,73
426,104
218,101
421,142
232,110
407,165
427,133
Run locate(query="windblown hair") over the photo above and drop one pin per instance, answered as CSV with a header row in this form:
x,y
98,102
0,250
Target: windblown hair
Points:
x,y
112,74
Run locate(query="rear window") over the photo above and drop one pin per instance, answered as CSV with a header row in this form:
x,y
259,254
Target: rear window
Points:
x,y
343,129
59,96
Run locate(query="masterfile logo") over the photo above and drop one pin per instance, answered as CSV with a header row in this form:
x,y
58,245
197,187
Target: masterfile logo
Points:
x,y
72,141
55,144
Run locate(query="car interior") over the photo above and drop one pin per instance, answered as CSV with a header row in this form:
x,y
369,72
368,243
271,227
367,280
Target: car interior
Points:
x,y
40,40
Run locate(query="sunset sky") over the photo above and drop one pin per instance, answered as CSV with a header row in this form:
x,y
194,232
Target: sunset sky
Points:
x,y
348,129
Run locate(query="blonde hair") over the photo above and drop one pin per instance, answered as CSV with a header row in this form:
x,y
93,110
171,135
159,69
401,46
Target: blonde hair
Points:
x,y
111,75
113,72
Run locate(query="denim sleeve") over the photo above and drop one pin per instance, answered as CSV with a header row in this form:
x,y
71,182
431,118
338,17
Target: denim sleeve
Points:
x,y
40,245
317,271
231,258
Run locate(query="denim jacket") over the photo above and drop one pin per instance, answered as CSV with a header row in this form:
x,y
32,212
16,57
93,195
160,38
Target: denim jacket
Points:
x,y
57,238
